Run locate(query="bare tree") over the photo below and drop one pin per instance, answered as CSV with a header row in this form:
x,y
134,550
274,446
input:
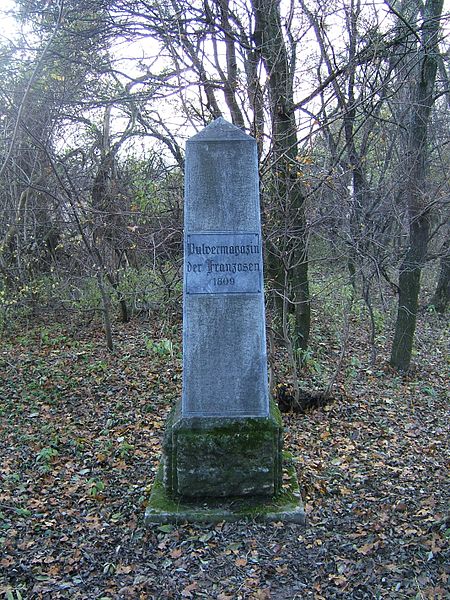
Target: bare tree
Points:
x,y
415,174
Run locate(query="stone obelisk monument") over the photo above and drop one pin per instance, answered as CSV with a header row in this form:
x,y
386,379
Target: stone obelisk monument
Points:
x,y
223,439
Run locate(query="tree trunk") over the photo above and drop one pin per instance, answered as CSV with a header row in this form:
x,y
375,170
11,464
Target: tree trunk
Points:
x,y
288,263
106,312
441,296
416,160
408,300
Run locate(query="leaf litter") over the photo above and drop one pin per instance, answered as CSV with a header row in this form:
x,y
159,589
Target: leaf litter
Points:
x,y
80,442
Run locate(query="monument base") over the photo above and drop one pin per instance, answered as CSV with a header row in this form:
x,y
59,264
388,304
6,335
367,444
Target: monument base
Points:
x,y
286,506
222,457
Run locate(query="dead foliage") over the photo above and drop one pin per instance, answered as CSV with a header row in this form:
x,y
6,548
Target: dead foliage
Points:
x,y
80,441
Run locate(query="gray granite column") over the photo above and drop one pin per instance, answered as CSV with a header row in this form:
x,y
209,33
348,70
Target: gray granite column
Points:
x,y
224,345
225,438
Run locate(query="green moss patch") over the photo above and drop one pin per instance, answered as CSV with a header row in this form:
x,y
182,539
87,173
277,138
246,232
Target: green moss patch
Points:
x,y
285,506
223,457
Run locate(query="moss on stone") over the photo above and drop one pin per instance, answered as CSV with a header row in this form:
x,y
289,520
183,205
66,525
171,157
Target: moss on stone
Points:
x,y
223,456
285,506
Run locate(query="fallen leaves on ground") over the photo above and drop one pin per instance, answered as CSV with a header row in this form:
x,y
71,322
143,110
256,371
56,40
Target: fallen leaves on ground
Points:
x,y
80,441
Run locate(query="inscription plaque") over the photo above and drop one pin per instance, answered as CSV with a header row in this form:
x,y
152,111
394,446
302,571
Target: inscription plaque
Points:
x,y
223,263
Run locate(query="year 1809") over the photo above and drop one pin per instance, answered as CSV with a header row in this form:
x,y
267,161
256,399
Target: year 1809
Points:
x,y
224,280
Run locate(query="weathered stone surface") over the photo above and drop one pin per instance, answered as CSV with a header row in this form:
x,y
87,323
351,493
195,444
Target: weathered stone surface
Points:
x,y
223,441
286,506
223,457
224,344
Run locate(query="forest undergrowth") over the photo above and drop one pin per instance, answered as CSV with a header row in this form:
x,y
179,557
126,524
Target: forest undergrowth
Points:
x,y
80,441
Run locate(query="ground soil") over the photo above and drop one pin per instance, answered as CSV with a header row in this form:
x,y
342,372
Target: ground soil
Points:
x,y
80,435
